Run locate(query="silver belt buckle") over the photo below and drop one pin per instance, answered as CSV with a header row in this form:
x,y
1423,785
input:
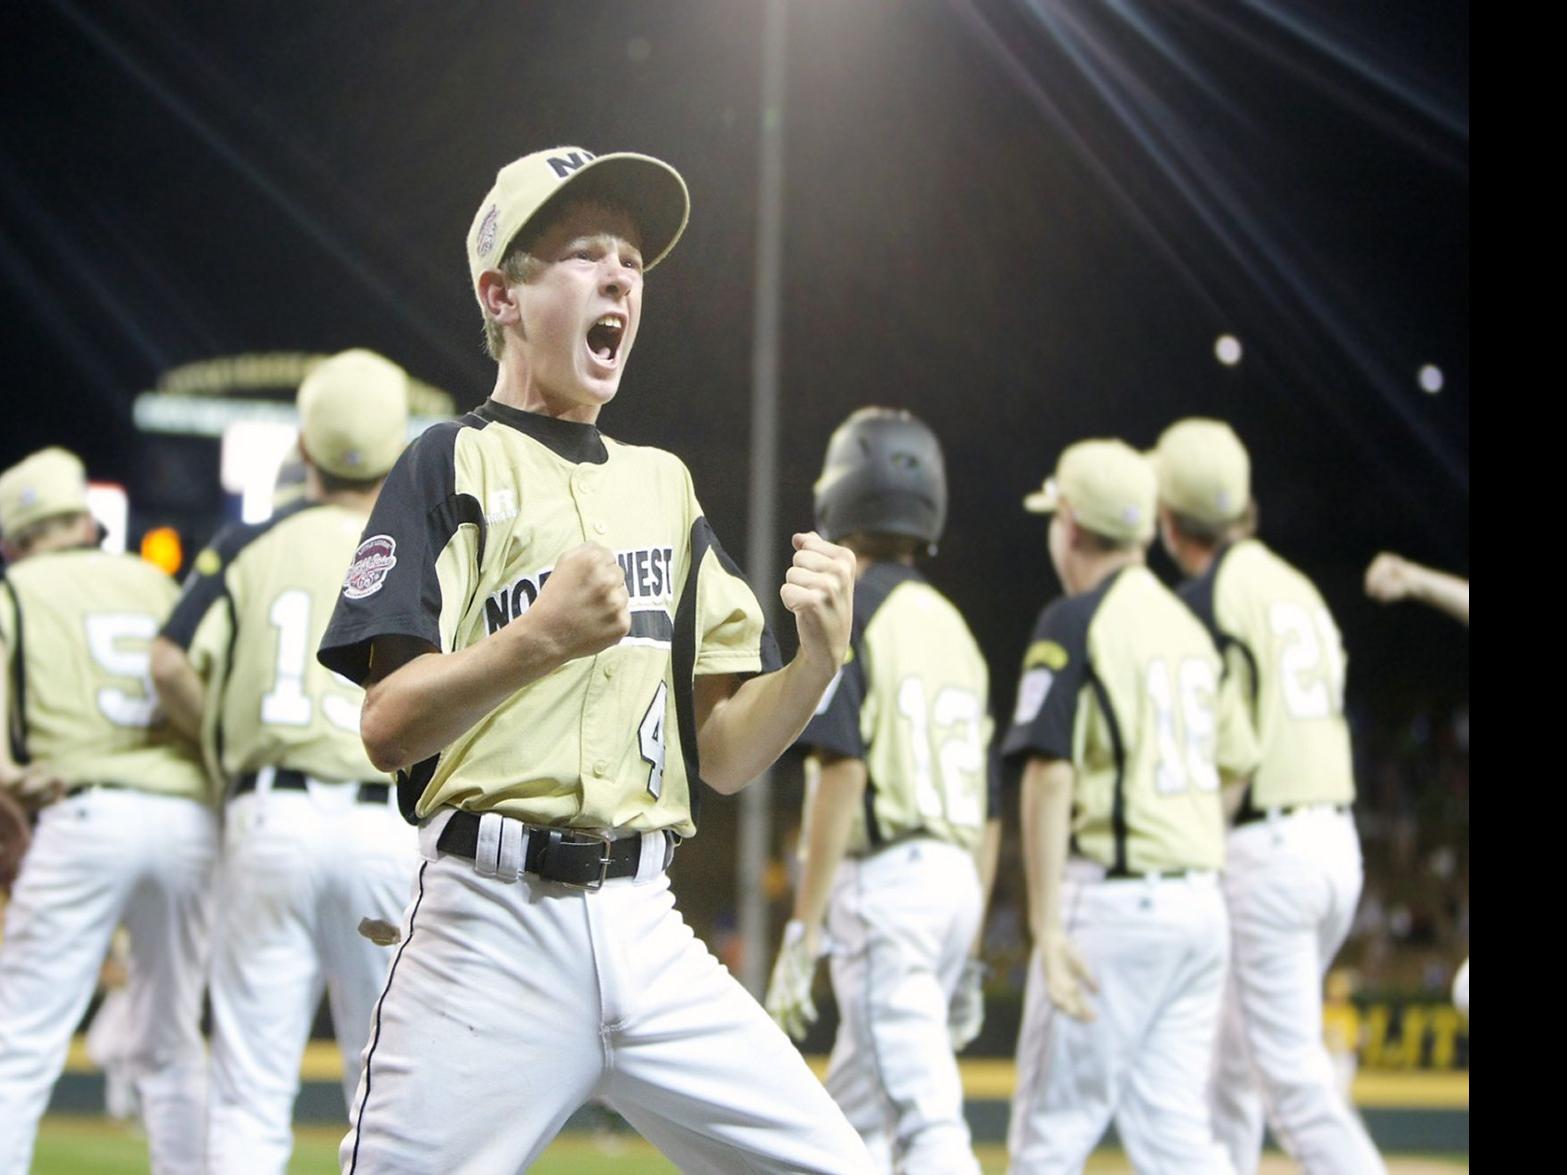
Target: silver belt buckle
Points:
x,y
605,839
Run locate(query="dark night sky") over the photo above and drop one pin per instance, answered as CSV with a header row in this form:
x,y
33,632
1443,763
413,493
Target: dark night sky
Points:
x,y
1026,222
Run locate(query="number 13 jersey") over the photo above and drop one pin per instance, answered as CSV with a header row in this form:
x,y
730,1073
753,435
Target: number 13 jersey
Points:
x,y
251,614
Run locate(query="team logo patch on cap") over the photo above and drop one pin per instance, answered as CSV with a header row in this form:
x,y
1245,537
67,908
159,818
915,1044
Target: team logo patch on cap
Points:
x,y
487,229
373,561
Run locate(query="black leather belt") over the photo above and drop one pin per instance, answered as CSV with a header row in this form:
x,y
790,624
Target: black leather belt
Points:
x,y
284,779
571,856
79,788
1250,815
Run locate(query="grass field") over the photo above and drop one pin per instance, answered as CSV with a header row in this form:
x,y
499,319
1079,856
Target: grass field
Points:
x,y
70,1145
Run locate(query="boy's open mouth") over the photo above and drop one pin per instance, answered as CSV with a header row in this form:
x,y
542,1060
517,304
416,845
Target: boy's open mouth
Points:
x,y
604,337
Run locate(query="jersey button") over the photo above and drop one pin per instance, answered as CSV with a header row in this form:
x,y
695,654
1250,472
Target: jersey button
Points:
x,y
609,671
599,768
599,528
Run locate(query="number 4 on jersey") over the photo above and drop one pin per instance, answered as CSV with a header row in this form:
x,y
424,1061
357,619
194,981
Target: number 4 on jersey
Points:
x,y
650,736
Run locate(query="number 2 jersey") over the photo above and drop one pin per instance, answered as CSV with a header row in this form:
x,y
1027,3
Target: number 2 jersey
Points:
x,y
912,701
250,616
1123,682
76,627
467,530
1285,659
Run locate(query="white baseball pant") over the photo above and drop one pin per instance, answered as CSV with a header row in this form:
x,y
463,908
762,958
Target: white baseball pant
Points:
x,y
901,922
1291,883
103,858
1158,949
512,1003
300,870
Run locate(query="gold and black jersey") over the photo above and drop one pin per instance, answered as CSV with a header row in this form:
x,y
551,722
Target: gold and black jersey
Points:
x,y
912,701
464,536
251,616
76,630
1123,682
1285,659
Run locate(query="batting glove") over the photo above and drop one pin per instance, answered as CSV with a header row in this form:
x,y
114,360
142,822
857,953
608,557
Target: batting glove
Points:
x,y
789,991
966,1011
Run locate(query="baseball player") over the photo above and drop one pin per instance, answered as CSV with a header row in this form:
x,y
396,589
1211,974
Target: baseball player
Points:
x,y
1391,578
896,810
1294,874
1124,742
312,841
126,832
557,653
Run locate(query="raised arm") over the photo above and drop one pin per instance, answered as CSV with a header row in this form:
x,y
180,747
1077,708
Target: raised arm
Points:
x,y
741,731
1392,577
418,700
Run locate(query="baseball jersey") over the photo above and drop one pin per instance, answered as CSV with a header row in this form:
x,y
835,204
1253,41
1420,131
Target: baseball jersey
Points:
x,y
468,527
1123,682
912,701
1285,660
76,629
252,612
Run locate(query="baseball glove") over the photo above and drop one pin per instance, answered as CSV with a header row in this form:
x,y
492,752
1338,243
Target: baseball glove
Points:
x,y
15,835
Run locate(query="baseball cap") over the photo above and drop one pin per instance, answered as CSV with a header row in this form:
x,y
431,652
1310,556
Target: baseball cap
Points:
x,y
353,414
1109,486
48,483
1203,470
529,189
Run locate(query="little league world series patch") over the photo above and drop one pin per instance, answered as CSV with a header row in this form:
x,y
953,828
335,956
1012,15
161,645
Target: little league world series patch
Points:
x,y
373,562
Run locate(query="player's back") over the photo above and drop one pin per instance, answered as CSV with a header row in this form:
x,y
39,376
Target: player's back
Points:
x,y
1287,657
925,717
1148,779
78,628
270,593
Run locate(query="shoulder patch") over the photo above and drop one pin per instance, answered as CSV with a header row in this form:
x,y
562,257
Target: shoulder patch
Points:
x,y
209,562
1031,694
1046,653
373,562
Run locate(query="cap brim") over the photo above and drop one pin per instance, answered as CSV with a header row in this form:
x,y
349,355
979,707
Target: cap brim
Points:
x,y
649,189
1043,501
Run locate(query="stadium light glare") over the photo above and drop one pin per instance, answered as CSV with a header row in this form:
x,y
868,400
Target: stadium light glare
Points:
x,y
1227,349
1431,379
161,547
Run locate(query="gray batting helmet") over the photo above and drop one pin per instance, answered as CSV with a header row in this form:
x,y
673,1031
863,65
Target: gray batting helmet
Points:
x,y
883,475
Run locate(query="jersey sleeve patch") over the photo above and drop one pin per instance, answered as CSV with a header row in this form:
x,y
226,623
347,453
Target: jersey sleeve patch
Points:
x,y
373,562
1055,668
393,588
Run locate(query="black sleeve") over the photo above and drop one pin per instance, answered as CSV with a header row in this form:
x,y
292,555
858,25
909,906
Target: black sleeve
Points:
x,y
208,577
391,588
835,728
1197,594
1055,669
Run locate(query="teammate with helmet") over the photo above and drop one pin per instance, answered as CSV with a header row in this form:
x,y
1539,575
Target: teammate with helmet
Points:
x,y
895,812
312,841
557,653
126,832
1294,872
1124,739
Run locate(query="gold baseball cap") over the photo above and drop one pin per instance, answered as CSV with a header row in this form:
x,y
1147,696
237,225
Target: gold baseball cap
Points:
x,y
353,414
48,483
528,189
1109,486
1203,470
